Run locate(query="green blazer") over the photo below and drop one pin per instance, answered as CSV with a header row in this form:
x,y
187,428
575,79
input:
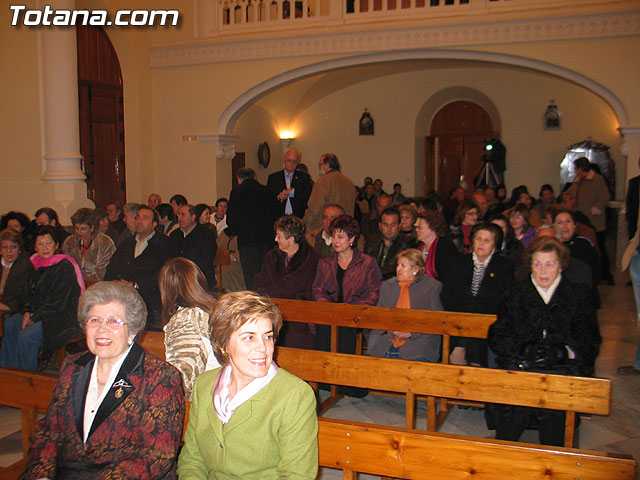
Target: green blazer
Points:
x,y
272,435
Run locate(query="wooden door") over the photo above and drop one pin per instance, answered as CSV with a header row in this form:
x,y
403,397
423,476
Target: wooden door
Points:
x,y
101,117
455,146
236,164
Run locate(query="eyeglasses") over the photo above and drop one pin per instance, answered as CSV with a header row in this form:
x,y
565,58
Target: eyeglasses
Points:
x,y
112,322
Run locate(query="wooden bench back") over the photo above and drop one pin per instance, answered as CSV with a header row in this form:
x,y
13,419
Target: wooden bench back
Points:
x,y
557,392
393,452
400,453
383,318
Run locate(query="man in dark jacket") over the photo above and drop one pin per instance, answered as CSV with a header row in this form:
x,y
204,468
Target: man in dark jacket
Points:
x,y
138,260
195,242
385,245
252,210
292,188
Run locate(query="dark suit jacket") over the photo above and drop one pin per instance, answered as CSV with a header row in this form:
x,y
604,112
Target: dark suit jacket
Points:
x,y
632,203
135,434
199,247
142,270
388,266
252,211
302,184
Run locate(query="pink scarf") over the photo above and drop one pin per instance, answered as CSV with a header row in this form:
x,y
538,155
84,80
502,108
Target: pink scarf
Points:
x,y
39,262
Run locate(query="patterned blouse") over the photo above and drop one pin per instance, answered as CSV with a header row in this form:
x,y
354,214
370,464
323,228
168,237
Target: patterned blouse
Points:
x,y
187,344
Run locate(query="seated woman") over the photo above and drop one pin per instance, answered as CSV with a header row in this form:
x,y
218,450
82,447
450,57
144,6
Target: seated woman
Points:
x,y
249,419
511,247
545,324
288,271
90,249
411,288
117,412
203,217
48,318
408,217
519,219
345,276
466,217
435,245
579,247
16,272
167,222
185,316
479,281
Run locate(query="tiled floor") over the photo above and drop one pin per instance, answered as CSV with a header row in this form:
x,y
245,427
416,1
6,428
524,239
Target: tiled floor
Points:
x,y
619,432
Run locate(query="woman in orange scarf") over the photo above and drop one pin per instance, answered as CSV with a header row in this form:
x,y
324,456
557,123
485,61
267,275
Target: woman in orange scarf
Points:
x,y
410,288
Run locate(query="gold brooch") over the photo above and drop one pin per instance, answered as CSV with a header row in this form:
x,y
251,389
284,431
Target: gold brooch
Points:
x,y
119,393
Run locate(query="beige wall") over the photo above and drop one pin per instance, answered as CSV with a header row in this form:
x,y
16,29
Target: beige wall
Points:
x,y
163,104
330,122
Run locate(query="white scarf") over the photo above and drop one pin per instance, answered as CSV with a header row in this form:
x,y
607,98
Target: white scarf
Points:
x,y
224,406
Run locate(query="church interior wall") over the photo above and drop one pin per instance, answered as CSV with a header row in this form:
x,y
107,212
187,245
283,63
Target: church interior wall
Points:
x,y
330,121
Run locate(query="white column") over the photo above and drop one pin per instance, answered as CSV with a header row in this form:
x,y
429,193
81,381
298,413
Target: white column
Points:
x,y
59,89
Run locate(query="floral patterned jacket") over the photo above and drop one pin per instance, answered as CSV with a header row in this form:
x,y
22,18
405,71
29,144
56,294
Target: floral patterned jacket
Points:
x,y
136,432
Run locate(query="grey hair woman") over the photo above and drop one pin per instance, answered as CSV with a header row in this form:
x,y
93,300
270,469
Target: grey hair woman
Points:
x,y
116,411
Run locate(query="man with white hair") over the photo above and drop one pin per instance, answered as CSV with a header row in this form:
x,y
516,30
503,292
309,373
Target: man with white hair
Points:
x,y
291,187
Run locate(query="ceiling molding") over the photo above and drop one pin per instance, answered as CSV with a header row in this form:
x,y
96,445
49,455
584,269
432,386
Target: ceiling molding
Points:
x,y
567,28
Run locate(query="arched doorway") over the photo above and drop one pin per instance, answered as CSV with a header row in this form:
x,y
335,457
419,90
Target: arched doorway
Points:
x,y
455,145
101,116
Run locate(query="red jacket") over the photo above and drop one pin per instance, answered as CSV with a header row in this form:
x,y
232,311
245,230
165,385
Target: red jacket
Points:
x,y
361,283
136,432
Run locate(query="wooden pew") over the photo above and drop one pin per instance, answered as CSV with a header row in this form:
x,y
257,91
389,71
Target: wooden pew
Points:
x,y
411,379
30,392
433,380
401,453
223,257
432,322
393,452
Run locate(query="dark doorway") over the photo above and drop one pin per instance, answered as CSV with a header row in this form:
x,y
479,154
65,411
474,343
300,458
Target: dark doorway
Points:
x,y
455,146
101,117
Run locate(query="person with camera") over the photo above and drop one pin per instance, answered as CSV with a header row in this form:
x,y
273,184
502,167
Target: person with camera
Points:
x,y
545,324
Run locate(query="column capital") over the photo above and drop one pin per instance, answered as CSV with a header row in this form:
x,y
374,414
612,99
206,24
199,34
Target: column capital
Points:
x,y
225,144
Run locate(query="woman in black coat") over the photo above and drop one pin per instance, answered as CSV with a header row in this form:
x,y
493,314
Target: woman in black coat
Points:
x,y
479,280
288,271
48,317
545,324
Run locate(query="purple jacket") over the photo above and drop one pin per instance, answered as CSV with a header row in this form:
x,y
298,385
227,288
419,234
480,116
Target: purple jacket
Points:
x,y
361,284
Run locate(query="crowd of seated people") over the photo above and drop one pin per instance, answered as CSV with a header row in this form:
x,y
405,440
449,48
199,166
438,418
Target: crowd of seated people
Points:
x,y
462,253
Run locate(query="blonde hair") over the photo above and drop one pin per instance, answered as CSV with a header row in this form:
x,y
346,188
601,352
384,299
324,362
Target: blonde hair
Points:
x,y
232,311
415,258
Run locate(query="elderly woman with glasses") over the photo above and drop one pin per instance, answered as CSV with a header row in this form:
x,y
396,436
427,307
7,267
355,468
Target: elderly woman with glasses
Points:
x,y
117,412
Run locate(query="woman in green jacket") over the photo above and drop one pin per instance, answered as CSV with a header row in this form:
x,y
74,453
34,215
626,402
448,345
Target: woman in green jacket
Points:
x,y
249,419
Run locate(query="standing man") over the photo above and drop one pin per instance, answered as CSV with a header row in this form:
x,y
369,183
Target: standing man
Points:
x,y
591,195
632,203
331,187
253,209
195,242
291,187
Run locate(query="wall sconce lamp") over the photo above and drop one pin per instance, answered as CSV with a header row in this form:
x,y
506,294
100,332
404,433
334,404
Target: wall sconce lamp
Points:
x,y
286,138
190,138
